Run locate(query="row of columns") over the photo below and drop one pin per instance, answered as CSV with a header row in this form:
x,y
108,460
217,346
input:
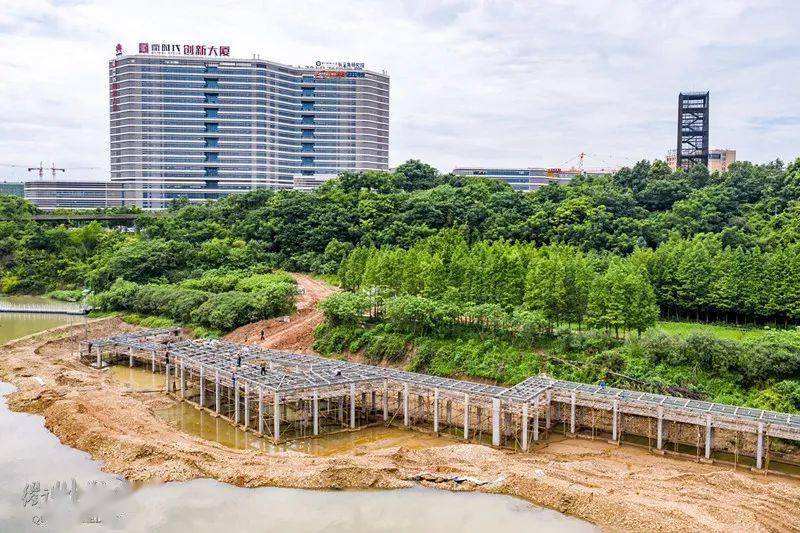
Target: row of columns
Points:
x,y
406,415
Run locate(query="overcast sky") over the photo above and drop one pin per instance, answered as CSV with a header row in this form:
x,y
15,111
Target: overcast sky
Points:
x,y
472,83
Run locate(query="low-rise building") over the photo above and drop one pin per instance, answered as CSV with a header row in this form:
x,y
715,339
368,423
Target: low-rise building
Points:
x,y
74,194
719,159
527,179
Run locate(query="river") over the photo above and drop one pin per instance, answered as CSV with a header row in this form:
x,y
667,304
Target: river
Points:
x,y
47,486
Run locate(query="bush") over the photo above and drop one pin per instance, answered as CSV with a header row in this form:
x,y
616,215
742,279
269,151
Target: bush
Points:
x,y
66,296
344,308
119,297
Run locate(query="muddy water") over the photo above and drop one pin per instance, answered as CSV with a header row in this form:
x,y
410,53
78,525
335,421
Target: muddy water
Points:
x,y
15,325
33,461
187,418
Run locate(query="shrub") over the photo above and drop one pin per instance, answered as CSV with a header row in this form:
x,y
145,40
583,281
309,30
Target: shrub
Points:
x,y
345,308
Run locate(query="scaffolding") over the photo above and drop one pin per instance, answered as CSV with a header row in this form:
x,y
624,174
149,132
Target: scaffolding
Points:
x,y
283,395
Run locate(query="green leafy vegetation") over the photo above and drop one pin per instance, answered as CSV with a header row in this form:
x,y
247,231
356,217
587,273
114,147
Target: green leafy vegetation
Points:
x,y
466,276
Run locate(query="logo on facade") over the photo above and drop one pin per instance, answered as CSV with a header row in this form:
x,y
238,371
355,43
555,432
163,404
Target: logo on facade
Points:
x,y
335,65
119,49
177,49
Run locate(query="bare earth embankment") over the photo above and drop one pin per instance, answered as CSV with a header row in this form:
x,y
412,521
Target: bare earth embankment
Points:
x,y
295,334
615,487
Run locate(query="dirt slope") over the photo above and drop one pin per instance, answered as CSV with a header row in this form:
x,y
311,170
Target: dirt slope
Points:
x,y
620,488
294,333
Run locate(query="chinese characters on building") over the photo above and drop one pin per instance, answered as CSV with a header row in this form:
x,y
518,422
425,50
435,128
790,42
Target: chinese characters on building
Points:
x,y
184,49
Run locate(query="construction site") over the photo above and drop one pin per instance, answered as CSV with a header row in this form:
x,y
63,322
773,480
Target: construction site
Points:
x,y
284,396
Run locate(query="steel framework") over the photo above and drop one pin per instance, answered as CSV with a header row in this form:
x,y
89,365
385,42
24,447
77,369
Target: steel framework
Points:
x,y
692,129
286,395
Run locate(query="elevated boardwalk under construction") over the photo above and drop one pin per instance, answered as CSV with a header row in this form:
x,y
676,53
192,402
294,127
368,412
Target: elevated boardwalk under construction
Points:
x,y
283,395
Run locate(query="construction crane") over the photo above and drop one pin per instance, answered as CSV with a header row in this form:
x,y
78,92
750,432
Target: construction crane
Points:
x,y
40,169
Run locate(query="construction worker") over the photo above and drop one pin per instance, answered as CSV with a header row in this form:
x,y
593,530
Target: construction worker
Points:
x,y
262,334
263,368
239,360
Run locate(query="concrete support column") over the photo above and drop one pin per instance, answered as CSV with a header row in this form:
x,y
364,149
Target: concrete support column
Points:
x,y
466,416
525,427
246,405
166,372
708,437
495,421
372,404
261,410
436,410
236,403
183,380
276,415
341,409
216,389
549,395
405,405
385,400
614,409
760,446
352,406
660,428
315,407
572,413
536,425
152,361
130,356
203,387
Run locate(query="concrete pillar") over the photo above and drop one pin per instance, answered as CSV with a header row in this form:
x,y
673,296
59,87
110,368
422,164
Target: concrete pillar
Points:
x,y
352,406
236,404
216,389
660,428
385,400
405,405
276,432
166,373
246,405
614,409
536,425
466,416
495,421
203,387
372,405
525,427
572,413
341,409
99,357
549,395
261,410
760,446
436,410
183,380
315,407
708,436
152,360
130,356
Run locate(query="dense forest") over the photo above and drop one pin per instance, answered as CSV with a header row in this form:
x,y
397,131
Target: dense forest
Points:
x,y
466,275
715,247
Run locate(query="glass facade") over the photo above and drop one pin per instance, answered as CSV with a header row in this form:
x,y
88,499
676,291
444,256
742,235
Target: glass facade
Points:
x,y
183,125
520,179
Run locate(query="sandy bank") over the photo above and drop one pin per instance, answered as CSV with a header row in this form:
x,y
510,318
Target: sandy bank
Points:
x,y
615,487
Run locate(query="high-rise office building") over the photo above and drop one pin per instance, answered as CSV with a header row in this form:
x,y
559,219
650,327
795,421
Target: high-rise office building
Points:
x,y
190,121
692,130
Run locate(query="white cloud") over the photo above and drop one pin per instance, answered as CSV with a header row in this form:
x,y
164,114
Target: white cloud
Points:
x,y
497,83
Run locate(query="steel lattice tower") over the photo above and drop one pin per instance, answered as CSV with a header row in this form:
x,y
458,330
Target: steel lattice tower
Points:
x,y
692,130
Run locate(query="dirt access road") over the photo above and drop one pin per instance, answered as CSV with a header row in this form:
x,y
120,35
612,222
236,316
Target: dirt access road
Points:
x,y
296,332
